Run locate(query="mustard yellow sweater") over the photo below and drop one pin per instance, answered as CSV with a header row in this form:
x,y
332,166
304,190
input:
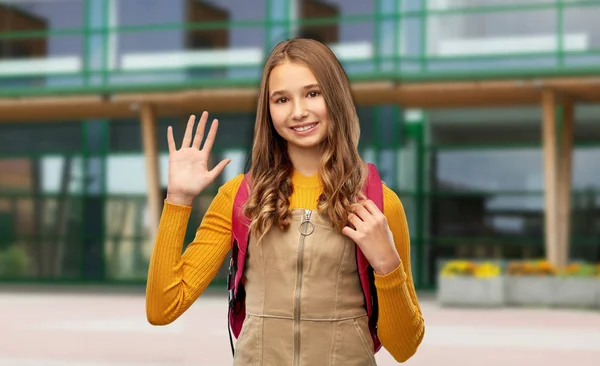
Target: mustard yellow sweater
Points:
x,y
176,280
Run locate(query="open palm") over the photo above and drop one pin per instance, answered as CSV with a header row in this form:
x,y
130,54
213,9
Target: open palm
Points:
x,y
188,166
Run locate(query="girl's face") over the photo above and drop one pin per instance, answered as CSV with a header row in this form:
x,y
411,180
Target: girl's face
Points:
x,y
298,109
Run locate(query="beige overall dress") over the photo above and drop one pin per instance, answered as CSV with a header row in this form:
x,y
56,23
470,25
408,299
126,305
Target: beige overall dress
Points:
x,y
304,303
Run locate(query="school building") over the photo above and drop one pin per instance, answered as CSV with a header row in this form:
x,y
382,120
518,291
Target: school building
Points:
x,y
482,115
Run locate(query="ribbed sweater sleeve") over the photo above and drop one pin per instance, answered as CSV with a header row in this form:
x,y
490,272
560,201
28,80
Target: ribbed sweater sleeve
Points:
x,y
400,326
176,280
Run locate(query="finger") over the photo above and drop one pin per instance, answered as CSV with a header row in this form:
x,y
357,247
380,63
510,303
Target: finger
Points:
x,y
371,207
354,220
170,139
218,169
187,137
349,232
362,212
210,139
200,131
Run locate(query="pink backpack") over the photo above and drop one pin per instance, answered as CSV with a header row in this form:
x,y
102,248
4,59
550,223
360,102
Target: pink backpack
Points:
x,y
240,235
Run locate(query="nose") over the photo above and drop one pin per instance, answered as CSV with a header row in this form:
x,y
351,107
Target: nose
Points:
x,y
299,113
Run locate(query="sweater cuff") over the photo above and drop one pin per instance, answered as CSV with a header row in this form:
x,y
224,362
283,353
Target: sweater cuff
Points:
x,y
391,280
175,215
172,205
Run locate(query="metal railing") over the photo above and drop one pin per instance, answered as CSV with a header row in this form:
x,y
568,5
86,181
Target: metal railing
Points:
x,y
420,47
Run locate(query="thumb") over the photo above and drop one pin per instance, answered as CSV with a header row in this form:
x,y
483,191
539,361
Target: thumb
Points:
x,y
218,169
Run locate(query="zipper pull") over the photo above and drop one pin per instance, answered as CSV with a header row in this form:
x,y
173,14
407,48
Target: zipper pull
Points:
x,y
306,227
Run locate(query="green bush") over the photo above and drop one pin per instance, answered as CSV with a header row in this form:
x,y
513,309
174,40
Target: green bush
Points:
x,y
14,262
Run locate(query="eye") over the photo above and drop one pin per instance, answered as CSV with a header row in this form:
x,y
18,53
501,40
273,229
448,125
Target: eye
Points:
x,y
281,100
314,93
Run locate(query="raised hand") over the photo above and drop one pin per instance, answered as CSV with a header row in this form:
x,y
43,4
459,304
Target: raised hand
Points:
x,y
188,166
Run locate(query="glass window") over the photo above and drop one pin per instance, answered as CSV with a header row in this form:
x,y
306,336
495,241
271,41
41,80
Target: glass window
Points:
x,y
351,39
236,130
156,12
45,237
586,168
454,4
346,31
586,129
62,174
314,9
407,169
488,170
7,222
581,25
513,130
49,174
487,215
24,60
42,14
126,174
409,203
17,175
32,138
366,117
126,135
172,51
487,33
412,31
518,169
585,217
127,237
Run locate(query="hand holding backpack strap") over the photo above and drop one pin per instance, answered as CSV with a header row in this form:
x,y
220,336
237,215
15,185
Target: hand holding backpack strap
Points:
x,y
369,229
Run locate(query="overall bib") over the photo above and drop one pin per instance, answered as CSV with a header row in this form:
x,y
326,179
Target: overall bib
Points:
x,y
304,303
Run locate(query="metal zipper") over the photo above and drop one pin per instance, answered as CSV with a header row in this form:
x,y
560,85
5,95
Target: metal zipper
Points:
x,y
306,228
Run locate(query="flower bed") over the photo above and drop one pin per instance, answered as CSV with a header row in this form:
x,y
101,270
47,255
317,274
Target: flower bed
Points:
x,y
530,283
525,283
464,283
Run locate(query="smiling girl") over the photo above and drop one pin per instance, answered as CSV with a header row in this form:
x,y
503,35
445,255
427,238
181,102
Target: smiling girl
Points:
x,y
304,304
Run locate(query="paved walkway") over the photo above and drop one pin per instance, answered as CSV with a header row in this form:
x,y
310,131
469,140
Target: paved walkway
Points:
x,y
65,329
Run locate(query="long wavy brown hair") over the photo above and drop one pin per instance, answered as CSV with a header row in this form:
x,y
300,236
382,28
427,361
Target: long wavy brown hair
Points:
x,y
341,173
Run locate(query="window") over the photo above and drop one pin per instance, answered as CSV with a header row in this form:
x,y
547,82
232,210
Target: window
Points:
x,y
13,19
326,33
199,11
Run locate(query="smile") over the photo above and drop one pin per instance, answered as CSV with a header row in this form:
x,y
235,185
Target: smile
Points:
x,y
305,128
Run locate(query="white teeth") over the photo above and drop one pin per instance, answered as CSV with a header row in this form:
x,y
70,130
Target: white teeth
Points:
x,y
305,128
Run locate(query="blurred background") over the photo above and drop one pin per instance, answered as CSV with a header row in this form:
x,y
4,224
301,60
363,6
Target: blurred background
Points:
x,y
482,115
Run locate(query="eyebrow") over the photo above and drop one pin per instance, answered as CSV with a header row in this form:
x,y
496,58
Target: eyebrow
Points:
x,y
309,86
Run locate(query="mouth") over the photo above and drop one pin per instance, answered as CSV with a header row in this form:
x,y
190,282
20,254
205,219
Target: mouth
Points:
x,y
305,127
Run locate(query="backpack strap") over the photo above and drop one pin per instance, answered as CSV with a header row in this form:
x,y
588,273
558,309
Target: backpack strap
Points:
x,y
374,191
240,229
373,186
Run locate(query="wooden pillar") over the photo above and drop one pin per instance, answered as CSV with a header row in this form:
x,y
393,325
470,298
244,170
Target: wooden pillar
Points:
x,y
549,102
564,181
149,141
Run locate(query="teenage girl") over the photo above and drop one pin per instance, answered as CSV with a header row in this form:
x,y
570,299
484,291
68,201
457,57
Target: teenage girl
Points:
x,y
303,301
